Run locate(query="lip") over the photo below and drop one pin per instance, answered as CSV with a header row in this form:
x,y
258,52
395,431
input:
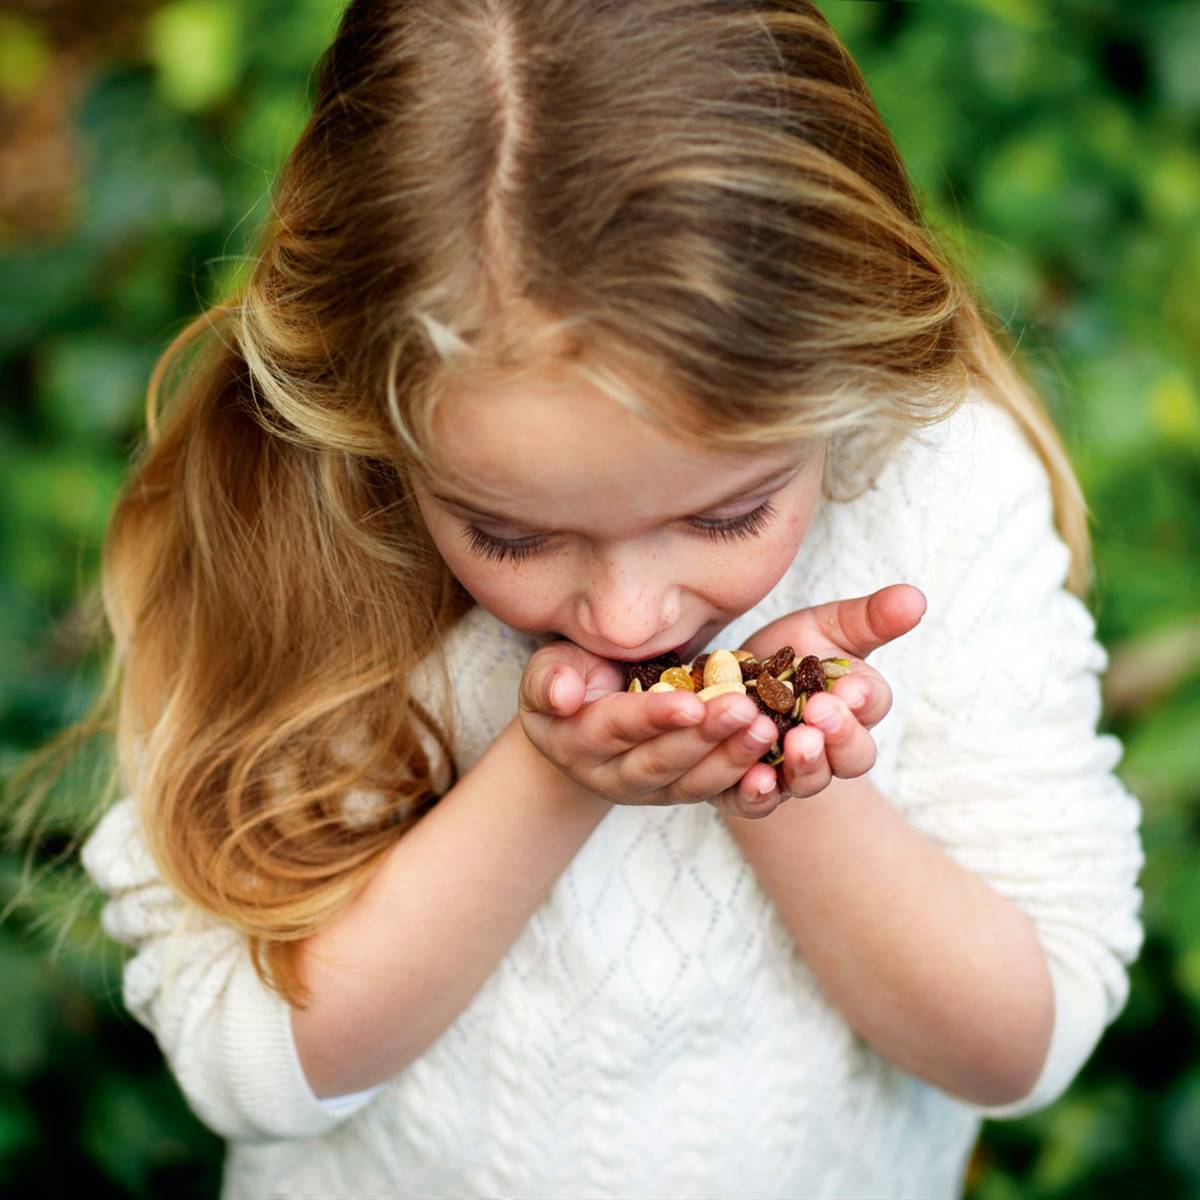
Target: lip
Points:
x,y
659,653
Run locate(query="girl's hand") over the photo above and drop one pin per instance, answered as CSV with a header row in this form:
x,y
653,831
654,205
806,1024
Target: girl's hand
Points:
x,y
833,738
651,748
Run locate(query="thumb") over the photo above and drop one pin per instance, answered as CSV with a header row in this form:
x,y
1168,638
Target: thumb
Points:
x,y
554,680
865,623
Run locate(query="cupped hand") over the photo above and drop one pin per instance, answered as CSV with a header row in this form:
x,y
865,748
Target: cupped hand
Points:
x,y
833,738
647,748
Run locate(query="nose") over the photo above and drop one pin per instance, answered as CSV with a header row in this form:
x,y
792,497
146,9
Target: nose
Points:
x,y
626,604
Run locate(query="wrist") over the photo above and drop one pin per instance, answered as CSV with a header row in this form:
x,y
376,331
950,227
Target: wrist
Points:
x,y
547,778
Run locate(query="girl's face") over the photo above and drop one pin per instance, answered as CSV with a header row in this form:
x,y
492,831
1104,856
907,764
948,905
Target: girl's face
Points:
x,y
567,515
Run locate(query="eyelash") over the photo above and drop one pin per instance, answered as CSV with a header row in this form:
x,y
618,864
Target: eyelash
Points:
x,y
500,549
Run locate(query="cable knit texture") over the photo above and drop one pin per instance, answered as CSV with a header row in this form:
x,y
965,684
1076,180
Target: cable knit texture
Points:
x,y
653,1032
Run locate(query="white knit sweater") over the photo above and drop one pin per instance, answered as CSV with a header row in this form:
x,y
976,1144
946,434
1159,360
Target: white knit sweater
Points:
x,y
653,1032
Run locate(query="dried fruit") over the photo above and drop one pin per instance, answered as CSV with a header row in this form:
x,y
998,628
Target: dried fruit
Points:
x,y
779,661
780,684
751,668
679,678
809,675
774,694
649,672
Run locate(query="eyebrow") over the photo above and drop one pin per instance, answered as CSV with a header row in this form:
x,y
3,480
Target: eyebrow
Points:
x,y
777,476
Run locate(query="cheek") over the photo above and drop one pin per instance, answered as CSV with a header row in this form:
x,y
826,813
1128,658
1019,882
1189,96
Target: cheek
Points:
x,y
745,575
520,594
739,578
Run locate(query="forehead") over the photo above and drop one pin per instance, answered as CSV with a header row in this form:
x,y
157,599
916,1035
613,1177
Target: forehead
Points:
x,y
553,446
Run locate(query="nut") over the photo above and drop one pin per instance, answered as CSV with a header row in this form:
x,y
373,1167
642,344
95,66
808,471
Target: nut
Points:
x,y
719,689
722,667
780,684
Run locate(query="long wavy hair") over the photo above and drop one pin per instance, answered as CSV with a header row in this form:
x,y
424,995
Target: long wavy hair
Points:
x,y
699,196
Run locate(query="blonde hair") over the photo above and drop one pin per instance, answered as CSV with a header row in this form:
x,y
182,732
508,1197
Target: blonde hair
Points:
x,y
701,197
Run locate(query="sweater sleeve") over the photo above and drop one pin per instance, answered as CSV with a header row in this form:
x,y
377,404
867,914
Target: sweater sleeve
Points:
x,y
225,1035
1004,768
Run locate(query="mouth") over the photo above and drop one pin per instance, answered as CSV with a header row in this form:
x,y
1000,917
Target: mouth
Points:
x,y
680,650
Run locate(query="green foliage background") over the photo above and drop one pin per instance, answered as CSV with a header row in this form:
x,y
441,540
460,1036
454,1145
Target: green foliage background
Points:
x,y
1055,143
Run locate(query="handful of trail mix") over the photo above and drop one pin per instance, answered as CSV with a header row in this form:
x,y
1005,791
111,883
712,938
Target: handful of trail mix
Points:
x,y
779,684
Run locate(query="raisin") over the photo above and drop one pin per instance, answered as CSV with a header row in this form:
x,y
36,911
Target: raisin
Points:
x,y
680,678
775,694
779,661
647,673
810,675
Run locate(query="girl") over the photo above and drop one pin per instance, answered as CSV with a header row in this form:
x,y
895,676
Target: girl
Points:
x,y
585,331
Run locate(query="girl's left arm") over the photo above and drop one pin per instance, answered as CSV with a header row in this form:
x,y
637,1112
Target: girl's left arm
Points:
x,y
940,973
976,922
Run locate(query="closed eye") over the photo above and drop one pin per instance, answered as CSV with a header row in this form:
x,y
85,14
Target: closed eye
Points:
x,y
497,549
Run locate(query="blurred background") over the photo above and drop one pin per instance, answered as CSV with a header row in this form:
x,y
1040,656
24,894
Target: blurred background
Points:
x,y
1055,143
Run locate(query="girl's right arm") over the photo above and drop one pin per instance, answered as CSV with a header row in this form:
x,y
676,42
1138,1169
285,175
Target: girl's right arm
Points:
x,y
400,964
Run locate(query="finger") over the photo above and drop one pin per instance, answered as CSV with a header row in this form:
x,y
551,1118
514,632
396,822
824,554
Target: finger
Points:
x,y
755,795
859,625
805,766
866,694
623,721
723,766
849,748
584,677
865,623
670,759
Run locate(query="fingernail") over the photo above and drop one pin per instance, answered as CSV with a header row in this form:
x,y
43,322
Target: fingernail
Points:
x,y
556,690
732,719
755,738
831,721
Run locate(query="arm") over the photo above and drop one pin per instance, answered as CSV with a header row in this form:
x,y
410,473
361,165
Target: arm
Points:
x,y
405,959
506,830
941,974
1006,847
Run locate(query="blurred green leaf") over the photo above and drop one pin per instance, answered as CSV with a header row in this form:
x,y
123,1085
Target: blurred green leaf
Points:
x,y
196,46
1080,1136
93,384
25,56
28,1010
1175,38
1181,1133
18,1125
1055,147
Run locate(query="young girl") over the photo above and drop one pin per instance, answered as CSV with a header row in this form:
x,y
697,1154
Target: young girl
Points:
x,y
583,332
